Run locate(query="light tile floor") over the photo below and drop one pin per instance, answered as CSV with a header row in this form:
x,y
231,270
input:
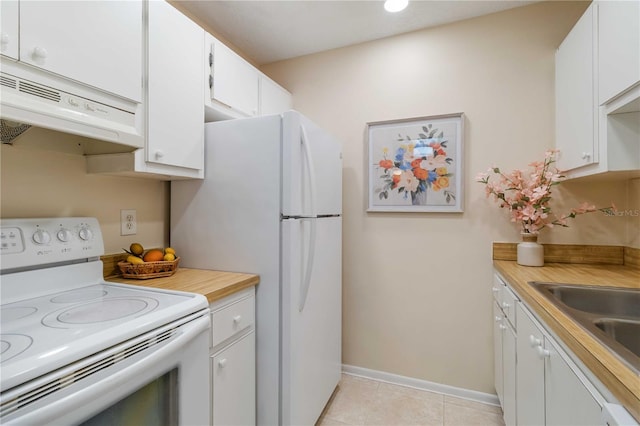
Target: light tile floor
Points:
x,y
360,401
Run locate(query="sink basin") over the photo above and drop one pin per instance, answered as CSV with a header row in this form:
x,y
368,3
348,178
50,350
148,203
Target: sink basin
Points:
x,y
627,332
596,300
610,314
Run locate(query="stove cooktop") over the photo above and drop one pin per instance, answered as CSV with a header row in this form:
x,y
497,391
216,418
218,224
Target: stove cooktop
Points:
x,y
47,332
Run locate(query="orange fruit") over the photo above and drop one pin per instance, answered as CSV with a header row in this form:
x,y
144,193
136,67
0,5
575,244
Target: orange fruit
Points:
x,y
153,256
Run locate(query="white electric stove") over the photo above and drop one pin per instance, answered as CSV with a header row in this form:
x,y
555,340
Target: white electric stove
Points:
x,y
74,347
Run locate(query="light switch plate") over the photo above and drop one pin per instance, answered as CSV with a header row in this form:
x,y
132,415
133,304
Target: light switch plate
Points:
x,y
128,222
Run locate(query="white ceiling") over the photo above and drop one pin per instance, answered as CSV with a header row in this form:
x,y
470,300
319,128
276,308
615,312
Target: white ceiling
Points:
x,y
269,31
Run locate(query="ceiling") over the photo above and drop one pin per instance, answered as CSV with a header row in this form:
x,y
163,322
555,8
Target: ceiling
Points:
x,y
267,31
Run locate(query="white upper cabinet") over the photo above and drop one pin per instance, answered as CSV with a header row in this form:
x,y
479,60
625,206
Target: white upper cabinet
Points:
x,y
9,18
273,98
598,92
576,113
234,81
107,35
234,88
619,47
174,146
175,110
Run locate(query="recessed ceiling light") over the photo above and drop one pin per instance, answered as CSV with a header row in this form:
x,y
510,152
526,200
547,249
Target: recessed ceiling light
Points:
x,y
395,5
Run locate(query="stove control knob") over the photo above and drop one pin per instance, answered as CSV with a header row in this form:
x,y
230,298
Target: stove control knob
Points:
x,y
41,237
85,234
64,235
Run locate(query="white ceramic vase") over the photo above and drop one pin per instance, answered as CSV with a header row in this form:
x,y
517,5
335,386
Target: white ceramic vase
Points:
x,y
530,253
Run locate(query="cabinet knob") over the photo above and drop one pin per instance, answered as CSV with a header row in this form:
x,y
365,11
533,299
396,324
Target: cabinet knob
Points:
x,y
498,318
586,155
502,327
237,319
159,154
534,341
543,353
495,289
4,39
222,363
39,54
505,305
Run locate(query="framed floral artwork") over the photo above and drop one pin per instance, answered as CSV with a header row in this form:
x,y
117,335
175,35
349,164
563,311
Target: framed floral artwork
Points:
x,y
416,164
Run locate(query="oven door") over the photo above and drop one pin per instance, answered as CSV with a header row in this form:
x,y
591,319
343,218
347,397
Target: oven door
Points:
x,y
159,378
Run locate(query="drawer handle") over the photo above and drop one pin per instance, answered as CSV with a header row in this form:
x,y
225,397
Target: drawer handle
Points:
x,y
505,305
237,319
498,318
495,289
502,327
222,363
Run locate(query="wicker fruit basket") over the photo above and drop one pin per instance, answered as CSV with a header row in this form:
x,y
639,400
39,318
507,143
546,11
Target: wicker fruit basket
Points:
x,y
143,271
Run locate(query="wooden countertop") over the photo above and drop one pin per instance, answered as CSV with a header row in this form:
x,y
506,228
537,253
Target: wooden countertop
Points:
x,y
213,285
621,381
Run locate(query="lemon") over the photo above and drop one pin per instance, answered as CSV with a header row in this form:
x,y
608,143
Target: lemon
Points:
x,y
169,250
169,257
136,248
134,260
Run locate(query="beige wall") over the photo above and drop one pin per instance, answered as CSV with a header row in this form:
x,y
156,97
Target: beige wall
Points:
x,y
52,182
417,286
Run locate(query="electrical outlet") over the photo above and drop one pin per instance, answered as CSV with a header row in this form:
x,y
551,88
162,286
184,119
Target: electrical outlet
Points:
x,y
128,222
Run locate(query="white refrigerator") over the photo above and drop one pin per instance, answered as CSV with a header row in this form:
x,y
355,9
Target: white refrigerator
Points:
x,y
271,204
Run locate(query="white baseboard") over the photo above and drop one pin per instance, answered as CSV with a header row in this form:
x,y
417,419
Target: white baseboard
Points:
x,y
471,395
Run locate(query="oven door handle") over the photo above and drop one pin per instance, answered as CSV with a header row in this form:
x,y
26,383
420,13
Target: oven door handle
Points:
x,y
92,397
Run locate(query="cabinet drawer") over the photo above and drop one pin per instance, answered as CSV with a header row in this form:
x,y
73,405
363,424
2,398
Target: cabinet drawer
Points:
x,y
232,319
497,289
509,300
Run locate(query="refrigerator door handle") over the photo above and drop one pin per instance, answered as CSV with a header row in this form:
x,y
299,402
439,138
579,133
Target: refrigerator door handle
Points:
x,y
304,140
306,282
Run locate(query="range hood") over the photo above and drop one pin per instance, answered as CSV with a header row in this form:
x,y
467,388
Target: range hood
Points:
x,y
67,106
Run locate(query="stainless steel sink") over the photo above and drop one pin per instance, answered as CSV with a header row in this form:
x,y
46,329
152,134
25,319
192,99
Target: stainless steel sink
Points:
x,y
610,314
596,300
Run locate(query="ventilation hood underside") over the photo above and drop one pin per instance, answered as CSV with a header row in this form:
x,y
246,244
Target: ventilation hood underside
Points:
x,y
104,128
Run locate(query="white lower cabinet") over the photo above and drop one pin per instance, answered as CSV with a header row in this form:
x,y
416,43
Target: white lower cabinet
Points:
x,y
509,376
549,389
537,382
568,401
530,372
233,375
504,336
233,360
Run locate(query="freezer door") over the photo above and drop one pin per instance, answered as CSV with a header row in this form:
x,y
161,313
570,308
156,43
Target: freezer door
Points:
x,y
312,168
312,320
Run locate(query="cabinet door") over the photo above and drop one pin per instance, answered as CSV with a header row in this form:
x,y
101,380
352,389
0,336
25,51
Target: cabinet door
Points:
x,y
98,43
530,371
175,108
233,383
576,112
509,375
9,28
568,401
618,47
273,98
235,81
498,330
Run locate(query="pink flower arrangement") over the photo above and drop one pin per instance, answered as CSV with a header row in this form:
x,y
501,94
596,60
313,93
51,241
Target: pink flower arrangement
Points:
x,y
527,195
